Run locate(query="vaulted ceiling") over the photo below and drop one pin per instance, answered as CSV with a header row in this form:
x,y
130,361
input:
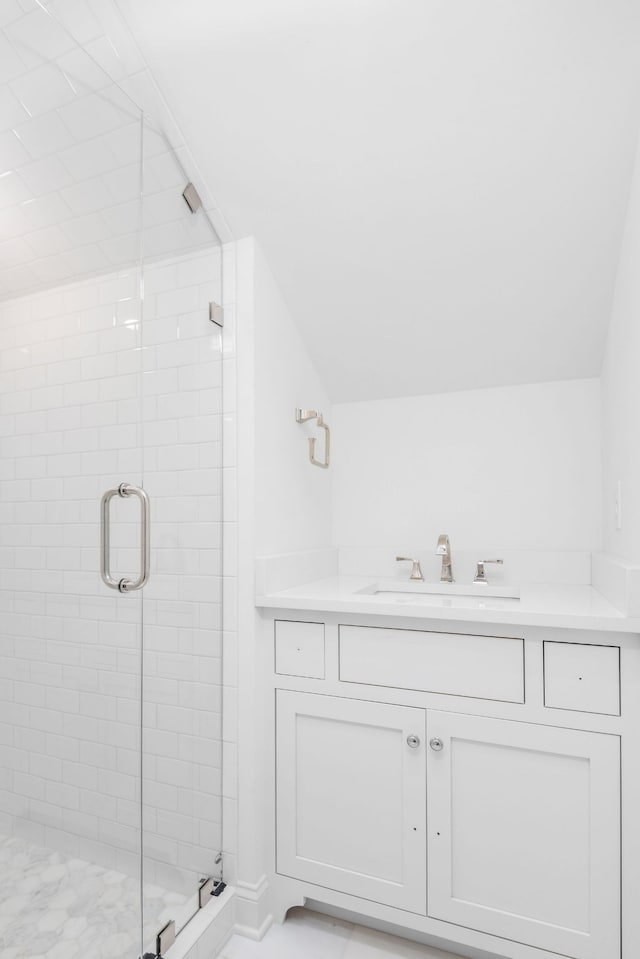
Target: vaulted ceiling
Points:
x,y
439,185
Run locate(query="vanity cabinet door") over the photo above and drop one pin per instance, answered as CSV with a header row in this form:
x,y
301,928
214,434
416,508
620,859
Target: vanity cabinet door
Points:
x,y
351,797
524,833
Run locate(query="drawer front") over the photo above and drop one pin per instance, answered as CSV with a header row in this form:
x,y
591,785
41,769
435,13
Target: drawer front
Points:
x,y
582,677
482,667
300,649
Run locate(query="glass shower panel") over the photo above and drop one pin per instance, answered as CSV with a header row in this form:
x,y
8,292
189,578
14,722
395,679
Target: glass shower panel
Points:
x,y
70,412
182,606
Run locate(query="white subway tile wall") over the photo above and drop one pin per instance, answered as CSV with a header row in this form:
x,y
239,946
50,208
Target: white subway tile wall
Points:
x,y
182,423
89,398
70,143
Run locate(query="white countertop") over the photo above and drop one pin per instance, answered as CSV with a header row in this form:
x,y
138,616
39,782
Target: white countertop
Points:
x,y
569,607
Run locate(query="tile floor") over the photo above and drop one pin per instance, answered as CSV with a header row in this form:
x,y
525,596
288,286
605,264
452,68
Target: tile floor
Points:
x,y
55,907
308,935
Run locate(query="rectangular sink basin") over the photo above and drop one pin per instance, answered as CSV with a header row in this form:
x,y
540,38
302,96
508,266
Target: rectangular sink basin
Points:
x,y
447,590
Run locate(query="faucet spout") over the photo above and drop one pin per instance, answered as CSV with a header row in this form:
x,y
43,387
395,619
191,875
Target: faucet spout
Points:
x,y
444,549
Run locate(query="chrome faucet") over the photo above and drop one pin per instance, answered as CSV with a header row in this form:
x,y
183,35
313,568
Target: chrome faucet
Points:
x,y
416,572
481,576
444,549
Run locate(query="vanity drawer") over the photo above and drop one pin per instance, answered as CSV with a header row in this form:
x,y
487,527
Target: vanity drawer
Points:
x,y
300,649
484,667
582,677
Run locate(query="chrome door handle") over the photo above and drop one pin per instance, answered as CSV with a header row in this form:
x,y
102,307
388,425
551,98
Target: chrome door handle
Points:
x,y
125,585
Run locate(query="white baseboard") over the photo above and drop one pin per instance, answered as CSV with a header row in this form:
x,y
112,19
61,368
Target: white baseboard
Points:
x,y
255,934
253,909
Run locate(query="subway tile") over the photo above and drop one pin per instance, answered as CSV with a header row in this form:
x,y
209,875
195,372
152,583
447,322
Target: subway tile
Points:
x,y
12,113
76,679
45,176
11,66
86,228
89,259
43,136
175,302
43,89
39,37
89,158
91,116
86,197
12,152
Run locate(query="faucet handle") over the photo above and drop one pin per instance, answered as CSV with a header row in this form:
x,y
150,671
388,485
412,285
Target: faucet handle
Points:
x,y
480,576
416,572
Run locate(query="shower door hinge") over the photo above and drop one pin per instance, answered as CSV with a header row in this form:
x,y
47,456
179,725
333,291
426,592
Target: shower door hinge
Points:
x,y
165,938
216,313
209,887
205,890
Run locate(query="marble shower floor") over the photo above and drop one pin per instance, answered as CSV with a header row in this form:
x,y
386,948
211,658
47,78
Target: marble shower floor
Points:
x,y
56,907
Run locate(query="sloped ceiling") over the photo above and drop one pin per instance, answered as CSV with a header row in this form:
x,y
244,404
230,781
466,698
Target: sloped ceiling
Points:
x,y
439,185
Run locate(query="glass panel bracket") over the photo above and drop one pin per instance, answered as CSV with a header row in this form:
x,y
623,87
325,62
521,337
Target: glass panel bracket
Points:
x,y
168,934
164,940
216,313
209,887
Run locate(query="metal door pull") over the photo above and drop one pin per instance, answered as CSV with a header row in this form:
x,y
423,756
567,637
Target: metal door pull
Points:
x,y
125,585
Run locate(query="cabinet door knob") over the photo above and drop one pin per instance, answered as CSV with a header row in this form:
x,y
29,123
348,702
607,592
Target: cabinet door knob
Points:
x,y
436,744
413,741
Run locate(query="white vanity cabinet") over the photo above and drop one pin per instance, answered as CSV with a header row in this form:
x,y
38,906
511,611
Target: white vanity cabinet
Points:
x,y
524,832
352,797
456,803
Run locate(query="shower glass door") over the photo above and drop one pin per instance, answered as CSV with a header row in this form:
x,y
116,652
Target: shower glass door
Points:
x,y
110,374
181,443
71,396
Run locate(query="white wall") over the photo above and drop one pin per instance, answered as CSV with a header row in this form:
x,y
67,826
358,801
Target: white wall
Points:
x,y
292,497
621,395
283,506
514,468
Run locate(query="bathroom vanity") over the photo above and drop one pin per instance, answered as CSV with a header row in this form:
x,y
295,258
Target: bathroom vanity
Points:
x,y
465,770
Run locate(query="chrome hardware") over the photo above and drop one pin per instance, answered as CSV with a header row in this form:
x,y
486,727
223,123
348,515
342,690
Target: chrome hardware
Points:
x,y
436,744
303,416
416,572
125,585
192,198
444,549
216,313
166,938
413,741
205,891
480,576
